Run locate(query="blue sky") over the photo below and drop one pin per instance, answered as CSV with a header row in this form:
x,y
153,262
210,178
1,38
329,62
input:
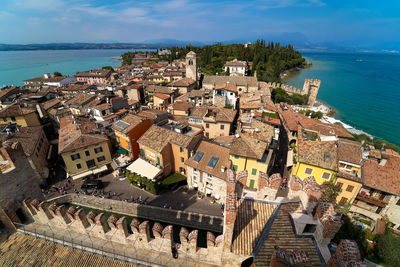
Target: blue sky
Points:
x,y
343,22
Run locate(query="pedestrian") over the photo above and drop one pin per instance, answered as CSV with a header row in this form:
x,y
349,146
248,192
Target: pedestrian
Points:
x,y
181,205
68,180
132,198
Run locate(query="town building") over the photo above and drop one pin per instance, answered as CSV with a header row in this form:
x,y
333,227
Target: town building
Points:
x,y
161,101
250,158
168,147
78,104
131,92
84,152
34,144
23,116
99,76
215,121
184,85
207,169
225,95
181,108
191,66
243,84
236,67
156,116
50,80
127,131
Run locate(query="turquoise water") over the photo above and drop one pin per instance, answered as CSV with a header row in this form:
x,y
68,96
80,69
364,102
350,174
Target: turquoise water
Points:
x,y
364,89
16,66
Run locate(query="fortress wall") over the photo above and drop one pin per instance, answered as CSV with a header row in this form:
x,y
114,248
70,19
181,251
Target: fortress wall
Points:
x,y
115,229
310,88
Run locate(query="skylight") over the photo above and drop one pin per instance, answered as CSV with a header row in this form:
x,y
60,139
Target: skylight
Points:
x,y
198,157
213,162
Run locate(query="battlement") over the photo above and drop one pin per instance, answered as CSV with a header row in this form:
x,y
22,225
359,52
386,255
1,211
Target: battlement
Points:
x,y
138,235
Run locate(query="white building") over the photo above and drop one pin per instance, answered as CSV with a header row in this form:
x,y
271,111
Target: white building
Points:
x,y
236,67
225,95
207,170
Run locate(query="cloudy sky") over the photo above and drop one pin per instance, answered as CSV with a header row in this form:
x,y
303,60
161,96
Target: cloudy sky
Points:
x,y
347,22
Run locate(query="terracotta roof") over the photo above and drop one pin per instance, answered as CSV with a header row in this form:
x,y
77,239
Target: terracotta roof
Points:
x,y
103,106
235,63
50,103
15,110
251,219
100,73
159,89
23,250
290,117
28,137
282,234
325,128
42,79
6,91
93,103
349,151
81,99
151,113
129,122
172,73
77,133
196,93
210,150
248,146
184,82
383,174
77,87
235,80
162,96
184,106
261,130
317,153
158,138
226,86
222,114
250,105
199,112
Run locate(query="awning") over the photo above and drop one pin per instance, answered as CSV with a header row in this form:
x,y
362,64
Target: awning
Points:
x,y
101,169
289,160
217,196
195,185
145,169
208,191
122,151
81,175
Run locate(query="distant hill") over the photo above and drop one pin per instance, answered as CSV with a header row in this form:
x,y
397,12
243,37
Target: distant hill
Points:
x,y
69,46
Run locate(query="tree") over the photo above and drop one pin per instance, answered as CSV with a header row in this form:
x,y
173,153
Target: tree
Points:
x,y
108,68
387,247
379,144
57,74
330,191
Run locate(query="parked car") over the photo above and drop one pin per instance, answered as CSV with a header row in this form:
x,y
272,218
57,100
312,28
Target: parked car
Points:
x,y
92,184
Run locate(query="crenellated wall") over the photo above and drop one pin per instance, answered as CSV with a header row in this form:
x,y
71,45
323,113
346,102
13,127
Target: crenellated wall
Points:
x,y
115,229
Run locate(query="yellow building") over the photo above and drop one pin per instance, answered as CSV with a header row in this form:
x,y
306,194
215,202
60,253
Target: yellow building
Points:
x,y
83,152
250,154
167,148
349,175
315,158
25,117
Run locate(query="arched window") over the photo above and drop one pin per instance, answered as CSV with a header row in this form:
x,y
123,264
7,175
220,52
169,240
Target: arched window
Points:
x,y
190,62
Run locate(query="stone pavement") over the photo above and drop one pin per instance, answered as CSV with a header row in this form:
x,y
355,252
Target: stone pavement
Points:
x,y
176,199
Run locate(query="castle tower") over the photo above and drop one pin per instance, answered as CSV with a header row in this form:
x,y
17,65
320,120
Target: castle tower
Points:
x,y
310,88
191,65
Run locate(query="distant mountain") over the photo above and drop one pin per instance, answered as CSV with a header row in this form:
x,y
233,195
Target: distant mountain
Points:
x,y
172,42
69,46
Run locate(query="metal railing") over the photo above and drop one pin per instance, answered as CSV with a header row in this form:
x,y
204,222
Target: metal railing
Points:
x,y
130,254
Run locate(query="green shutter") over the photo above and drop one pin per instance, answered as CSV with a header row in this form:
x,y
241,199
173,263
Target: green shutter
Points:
x,y
158,160
252,183
253,171
235,168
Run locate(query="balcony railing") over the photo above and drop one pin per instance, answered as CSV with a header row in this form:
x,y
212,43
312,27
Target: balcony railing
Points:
x,y
371,200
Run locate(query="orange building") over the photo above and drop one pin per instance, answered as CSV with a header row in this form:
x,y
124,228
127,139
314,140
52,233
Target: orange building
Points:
x,y
127,131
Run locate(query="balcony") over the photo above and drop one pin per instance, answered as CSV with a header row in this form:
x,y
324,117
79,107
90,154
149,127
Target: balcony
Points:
x,y
371,200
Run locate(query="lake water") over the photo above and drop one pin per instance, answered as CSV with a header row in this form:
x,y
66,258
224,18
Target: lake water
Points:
x,y
364,89
16,66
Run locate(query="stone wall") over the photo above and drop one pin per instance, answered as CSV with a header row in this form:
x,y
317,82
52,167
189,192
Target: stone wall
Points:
x,y
347,254
188,219
115,229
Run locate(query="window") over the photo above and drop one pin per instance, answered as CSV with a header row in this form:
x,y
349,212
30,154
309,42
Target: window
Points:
x,y
339,185
4,119
343,201
158,160
198,156
235,168
181,149
398,202
182,159
75,156
90,163
87,153
207,125
98,149
308,171
382,197
182,170
326,175
78,166
253,171
236,157
13,119
349,188
222,127
100,159
213,161
207,134
251,184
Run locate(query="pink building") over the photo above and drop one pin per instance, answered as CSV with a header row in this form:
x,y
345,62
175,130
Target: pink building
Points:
x,y
94,76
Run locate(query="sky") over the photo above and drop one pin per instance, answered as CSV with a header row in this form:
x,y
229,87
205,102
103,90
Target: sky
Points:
x,y
343,22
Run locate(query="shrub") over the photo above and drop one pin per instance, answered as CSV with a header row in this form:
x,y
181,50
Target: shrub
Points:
x,y
149,186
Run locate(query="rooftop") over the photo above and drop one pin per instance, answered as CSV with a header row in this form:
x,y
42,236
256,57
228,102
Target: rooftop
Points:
x,y
184,82
127,123
235,80
99,73
204,153
248,146
317,153
81,99
349,151
28,137
15,110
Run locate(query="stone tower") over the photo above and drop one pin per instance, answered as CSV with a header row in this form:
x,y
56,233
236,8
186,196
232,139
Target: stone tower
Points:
x,y
191,65
310,88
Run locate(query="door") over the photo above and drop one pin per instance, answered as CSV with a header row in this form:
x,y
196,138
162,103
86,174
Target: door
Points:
x,y
90,163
